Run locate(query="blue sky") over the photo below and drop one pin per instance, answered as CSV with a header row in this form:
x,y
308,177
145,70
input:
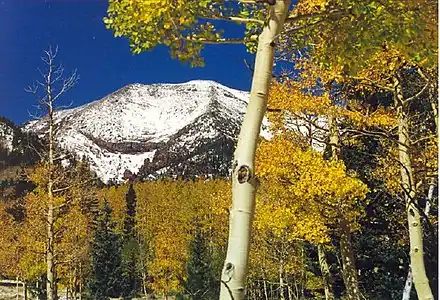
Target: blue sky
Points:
x,y
104,63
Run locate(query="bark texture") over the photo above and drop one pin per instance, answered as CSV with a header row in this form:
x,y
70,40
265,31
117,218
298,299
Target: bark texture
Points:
x,y
326,275
420,279
348,262
346,248
234,274
50,251
409,279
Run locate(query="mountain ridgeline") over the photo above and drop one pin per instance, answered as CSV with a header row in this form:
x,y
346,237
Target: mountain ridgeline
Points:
x,y
152,131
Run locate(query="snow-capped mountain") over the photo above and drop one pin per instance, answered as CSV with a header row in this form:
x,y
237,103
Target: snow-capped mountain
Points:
x,y
152,130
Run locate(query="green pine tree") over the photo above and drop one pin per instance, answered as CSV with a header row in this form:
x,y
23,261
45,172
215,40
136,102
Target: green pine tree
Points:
x,y
130,250
200,283
130,213
106,272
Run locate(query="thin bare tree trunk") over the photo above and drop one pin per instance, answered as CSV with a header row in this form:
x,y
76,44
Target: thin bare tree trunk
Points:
x,y
80,290
53,77
17,288
420,279
326,275
51,277
408,286
234,274
289,291
265,289
281,281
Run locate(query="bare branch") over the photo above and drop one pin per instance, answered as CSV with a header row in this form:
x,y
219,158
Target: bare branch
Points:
x,y
61,189
219,41
235,19
296,29
370,133
53,75
68,83
65,106
63,156
418,94
32,89
424,139
373,83
326,14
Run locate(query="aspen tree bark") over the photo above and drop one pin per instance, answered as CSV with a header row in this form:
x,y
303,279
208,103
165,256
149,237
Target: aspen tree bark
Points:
x,y
290,292
50,251
281,280
432,89
17,288
420,279
326,275
348,262
265,289
234,274
346,248
434,112
409,279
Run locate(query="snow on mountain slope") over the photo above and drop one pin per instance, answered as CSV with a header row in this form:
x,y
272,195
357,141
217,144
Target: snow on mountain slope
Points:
x,y
177,127
6,136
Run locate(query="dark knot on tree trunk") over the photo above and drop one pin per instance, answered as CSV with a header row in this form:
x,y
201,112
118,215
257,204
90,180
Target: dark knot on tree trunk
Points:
x,y
244,174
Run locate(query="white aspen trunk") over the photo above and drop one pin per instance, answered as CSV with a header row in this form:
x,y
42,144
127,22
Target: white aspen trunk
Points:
x,y
326,275
281,279
346,248
265,289
333,136
420,279
51,278
434,111
408,286
290,292
234,274
80,290
409,279
144,282
17,288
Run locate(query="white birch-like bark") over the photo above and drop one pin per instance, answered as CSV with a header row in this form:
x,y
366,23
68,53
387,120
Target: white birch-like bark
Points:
x,y
348,262
409,279
418,270
50,251
234,274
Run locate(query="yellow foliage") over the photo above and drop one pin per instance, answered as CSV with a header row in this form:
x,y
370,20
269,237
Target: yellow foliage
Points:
x,y
291,98
166,215
302,183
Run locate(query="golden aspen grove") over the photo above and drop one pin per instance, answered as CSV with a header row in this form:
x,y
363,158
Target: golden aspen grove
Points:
x,y
338,201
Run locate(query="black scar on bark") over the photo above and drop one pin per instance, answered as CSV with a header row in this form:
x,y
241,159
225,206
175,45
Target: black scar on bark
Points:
x,y
244,174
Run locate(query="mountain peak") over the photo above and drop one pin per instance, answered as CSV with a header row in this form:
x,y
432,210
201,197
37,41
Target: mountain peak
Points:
x,y
162,128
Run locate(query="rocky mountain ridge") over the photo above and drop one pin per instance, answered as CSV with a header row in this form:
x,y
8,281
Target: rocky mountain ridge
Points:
x,y
154,130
